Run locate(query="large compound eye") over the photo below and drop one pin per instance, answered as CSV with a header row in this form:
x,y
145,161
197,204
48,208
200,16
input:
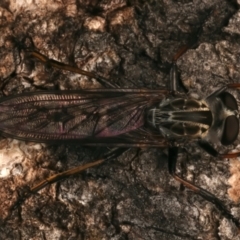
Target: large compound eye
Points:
x,y
228,100
230,130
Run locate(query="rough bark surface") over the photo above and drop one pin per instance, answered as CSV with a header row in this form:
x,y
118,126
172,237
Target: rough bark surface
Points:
x,y
131,43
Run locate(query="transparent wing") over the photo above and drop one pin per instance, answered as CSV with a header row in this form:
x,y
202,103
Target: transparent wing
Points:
x,y
98,116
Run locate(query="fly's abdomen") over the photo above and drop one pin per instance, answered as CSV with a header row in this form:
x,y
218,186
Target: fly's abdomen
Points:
x,y
181,118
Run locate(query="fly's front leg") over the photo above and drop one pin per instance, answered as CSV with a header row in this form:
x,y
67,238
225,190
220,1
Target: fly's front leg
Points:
x,y
172,160
213,152
175,81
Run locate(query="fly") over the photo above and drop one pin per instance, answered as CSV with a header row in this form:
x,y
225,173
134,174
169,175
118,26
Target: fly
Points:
x,y
123,118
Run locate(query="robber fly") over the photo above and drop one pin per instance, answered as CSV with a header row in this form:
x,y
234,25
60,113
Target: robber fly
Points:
x,y
123,118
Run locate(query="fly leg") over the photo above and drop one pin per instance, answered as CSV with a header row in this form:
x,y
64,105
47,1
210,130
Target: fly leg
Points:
x,y
175,81
28,45
59,65
113,153
235,86
213,152
172,160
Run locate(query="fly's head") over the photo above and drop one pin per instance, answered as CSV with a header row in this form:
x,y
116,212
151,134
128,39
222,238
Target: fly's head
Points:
x,y
225,113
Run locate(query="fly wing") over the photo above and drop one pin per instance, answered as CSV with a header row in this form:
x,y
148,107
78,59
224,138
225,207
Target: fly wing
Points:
x,y
88,116
140,138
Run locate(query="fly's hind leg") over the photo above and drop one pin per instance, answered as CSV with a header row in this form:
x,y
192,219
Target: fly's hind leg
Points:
x,y
113,153
59,65
27,45
172,160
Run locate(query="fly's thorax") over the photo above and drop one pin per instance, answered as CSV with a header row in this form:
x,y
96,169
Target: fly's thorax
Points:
x,y
181,118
